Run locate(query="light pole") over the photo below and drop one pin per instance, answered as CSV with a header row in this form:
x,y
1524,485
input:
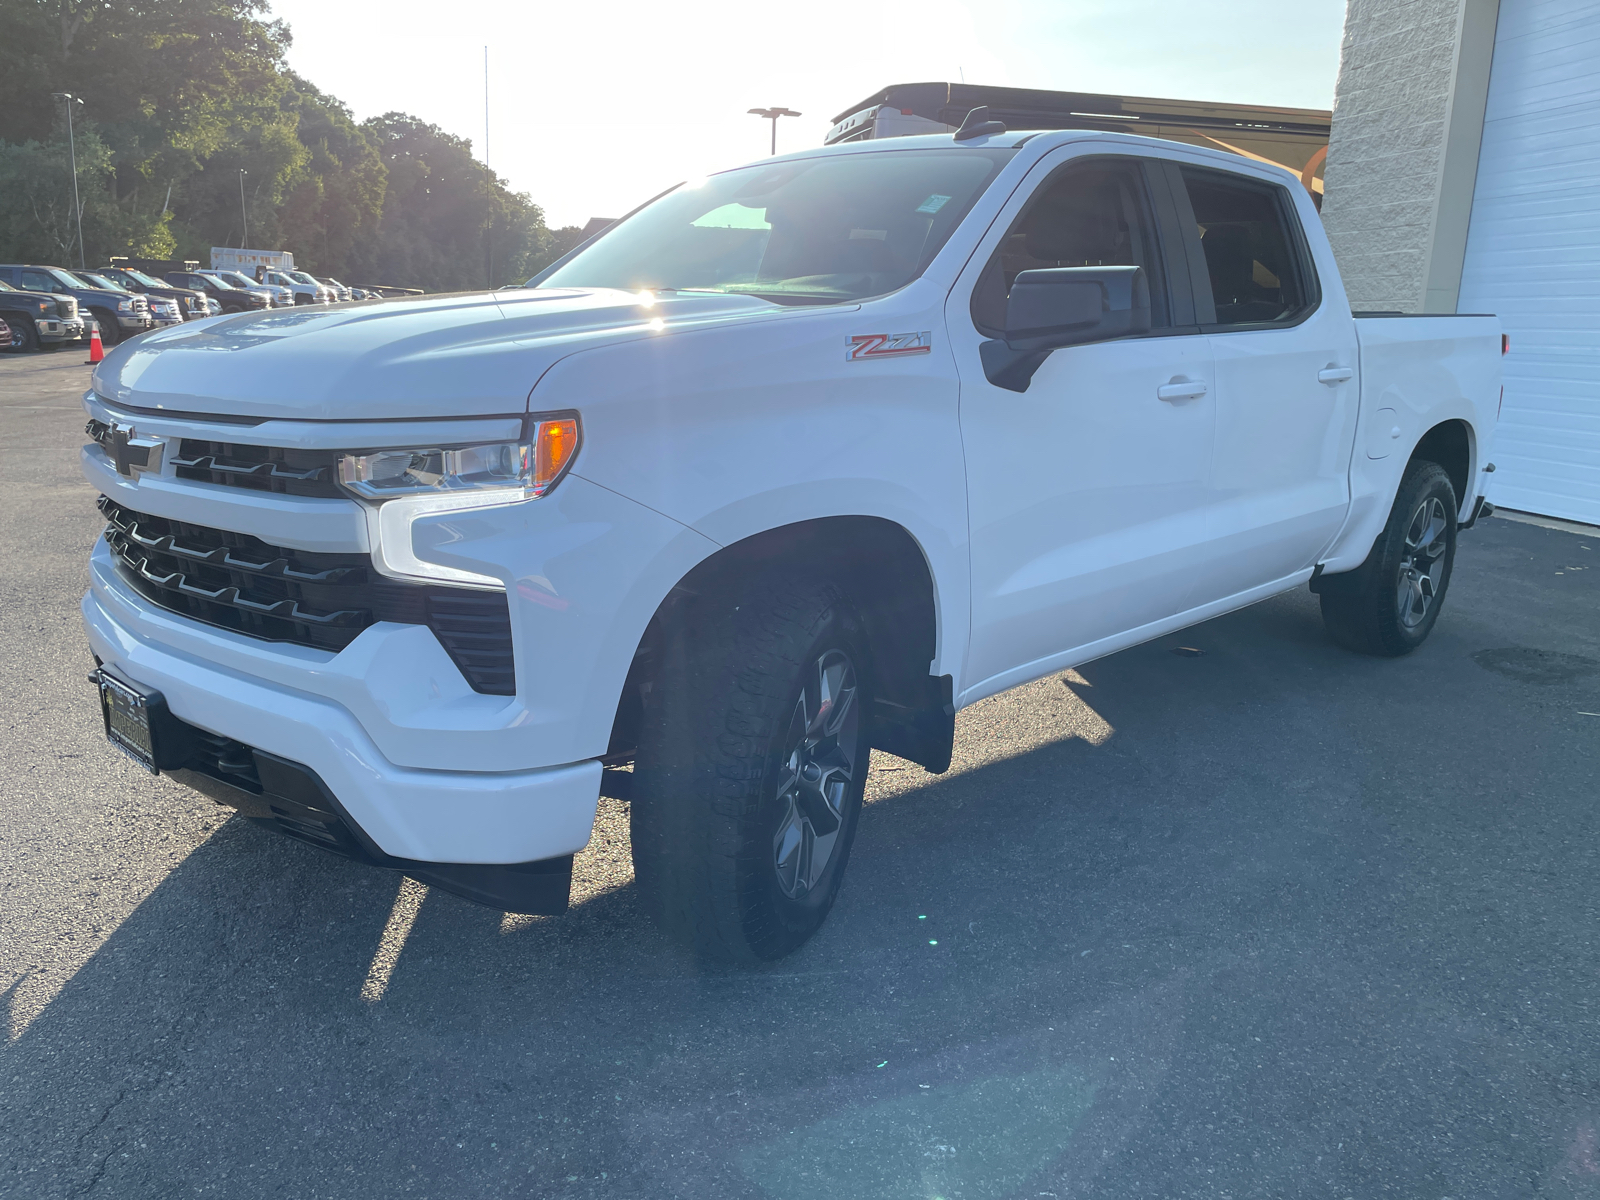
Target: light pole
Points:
x,y
72,148
244,243
772,114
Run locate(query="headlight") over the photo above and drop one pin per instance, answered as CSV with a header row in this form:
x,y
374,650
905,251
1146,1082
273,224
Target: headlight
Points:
x,y
125,306
532,467
401,486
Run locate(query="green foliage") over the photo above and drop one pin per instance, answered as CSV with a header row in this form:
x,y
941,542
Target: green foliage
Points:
x,y
448,222
36,217
180,96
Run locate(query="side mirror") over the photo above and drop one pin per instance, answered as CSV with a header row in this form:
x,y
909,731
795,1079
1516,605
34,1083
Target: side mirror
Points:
x,y
1064,306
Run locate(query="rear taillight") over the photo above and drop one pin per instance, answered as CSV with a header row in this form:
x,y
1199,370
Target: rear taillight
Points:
x,y
1505,343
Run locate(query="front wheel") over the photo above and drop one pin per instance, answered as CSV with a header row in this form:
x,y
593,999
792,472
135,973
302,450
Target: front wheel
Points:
x,y
110,330
23,335
1388,605
751,769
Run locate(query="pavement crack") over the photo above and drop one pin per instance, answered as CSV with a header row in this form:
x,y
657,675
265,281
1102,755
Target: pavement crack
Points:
x,y
105,1159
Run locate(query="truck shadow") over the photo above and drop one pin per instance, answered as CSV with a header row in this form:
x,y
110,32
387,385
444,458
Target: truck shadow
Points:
x,y
1064,923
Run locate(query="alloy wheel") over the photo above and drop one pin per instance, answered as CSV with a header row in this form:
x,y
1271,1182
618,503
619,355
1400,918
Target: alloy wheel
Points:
x,y
823,744
1422,562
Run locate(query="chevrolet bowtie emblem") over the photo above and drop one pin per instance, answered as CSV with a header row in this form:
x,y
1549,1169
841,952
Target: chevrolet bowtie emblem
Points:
x,y
133,453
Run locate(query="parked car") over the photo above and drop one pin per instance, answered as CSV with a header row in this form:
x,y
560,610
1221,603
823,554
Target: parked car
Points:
x,y
165,310
34,319
301,286
339,290
190,303
110,285
799,462
276,297
228,297
113,310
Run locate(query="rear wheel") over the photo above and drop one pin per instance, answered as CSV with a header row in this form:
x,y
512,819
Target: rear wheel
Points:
x,y
751,768
23,335
1389,604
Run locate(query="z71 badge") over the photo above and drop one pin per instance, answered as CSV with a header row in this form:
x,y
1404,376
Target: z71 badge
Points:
x,y
887,345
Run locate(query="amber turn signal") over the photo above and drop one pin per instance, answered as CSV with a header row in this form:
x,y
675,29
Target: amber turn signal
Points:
x,y
555,442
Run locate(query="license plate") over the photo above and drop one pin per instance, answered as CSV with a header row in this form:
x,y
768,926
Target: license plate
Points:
x,y
127,714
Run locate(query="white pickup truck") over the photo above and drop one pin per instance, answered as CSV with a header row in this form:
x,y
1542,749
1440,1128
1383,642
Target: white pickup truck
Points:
x,y
790,464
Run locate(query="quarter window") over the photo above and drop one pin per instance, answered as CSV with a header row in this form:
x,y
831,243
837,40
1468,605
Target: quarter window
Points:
x,y
1093,214
1253,259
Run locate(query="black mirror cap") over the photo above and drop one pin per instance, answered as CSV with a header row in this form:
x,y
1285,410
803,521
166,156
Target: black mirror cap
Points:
x,y
1064,306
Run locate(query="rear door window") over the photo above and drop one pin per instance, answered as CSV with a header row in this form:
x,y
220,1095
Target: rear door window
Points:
x,y
1255,260
1092,214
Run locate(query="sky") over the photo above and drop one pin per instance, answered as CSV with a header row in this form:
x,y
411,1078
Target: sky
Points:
x,y
596,107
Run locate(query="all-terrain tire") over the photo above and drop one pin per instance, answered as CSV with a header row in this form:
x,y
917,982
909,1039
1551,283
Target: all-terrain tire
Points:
x,y
1389,604
719,797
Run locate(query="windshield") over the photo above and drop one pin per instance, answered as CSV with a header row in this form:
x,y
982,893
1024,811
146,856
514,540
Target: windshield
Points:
x,y
218,281
301,277
103,281
233,277
66,277
141,277
818,230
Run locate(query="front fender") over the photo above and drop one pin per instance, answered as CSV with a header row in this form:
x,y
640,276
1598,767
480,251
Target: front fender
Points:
x,y
734,431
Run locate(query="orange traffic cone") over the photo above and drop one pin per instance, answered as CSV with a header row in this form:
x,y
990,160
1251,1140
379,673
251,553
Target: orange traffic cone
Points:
x,y
96,350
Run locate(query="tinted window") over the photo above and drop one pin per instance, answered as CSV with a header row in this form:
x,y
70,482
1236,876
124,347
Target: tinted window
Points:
x,y
818,230
40,282
1252,256
1094,214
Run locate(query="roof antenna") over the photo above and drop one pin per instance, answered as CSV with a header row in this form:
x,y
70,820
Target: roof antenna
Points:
x,y
979,125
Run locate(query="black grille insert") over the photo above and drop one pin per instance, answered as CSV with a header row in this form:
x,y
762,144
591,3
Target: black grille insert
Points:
x,y
238,582
262,468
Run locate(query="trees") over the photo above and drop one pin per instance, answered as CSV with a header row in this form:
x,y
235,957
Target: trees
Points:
x,y
448,221
179,96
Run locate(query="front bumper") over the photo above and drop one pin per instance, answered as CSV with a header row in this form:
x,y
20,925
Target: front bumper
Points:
x,y
52,330
421,815
134,322
291,799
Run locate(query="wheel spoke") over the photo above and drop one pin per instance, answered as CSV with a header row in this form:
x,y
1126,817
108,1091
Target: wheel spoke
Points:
x,y
815,778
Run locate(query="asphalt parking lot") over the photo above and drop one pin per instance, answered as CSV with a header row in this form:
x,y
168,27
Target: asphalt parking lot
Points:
x,y
1271,920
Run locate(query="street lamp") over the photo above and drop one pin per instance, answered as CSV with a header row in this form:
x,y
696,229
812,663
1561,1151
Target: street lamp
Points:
x,y
244,243
72,147
772,114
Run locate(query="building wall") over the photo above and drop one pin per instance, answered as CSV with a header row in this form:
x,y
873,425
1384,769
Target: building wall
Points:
x,y
1402,158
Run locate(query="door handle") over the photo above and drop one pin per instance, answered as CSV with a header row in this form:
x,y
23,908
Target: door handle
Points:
x,y
1181,389
1333,375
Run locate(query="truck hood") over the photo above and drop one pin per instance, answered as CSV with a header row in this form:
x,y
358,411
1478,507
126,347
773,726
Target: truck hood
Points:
x,y
458,355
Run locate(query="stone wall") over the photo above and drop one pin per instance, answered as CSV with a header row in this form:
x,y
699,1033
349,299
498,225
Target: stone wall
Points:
x,y
1402,158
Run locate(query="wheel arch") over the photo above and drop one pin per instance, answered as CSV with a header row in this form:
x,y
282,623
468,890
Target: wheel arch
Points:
x,y
884,571
1451,445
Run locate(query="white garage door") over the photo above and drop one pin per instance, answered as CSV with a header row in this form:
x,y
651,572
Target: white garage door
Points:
x,y
1533,253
